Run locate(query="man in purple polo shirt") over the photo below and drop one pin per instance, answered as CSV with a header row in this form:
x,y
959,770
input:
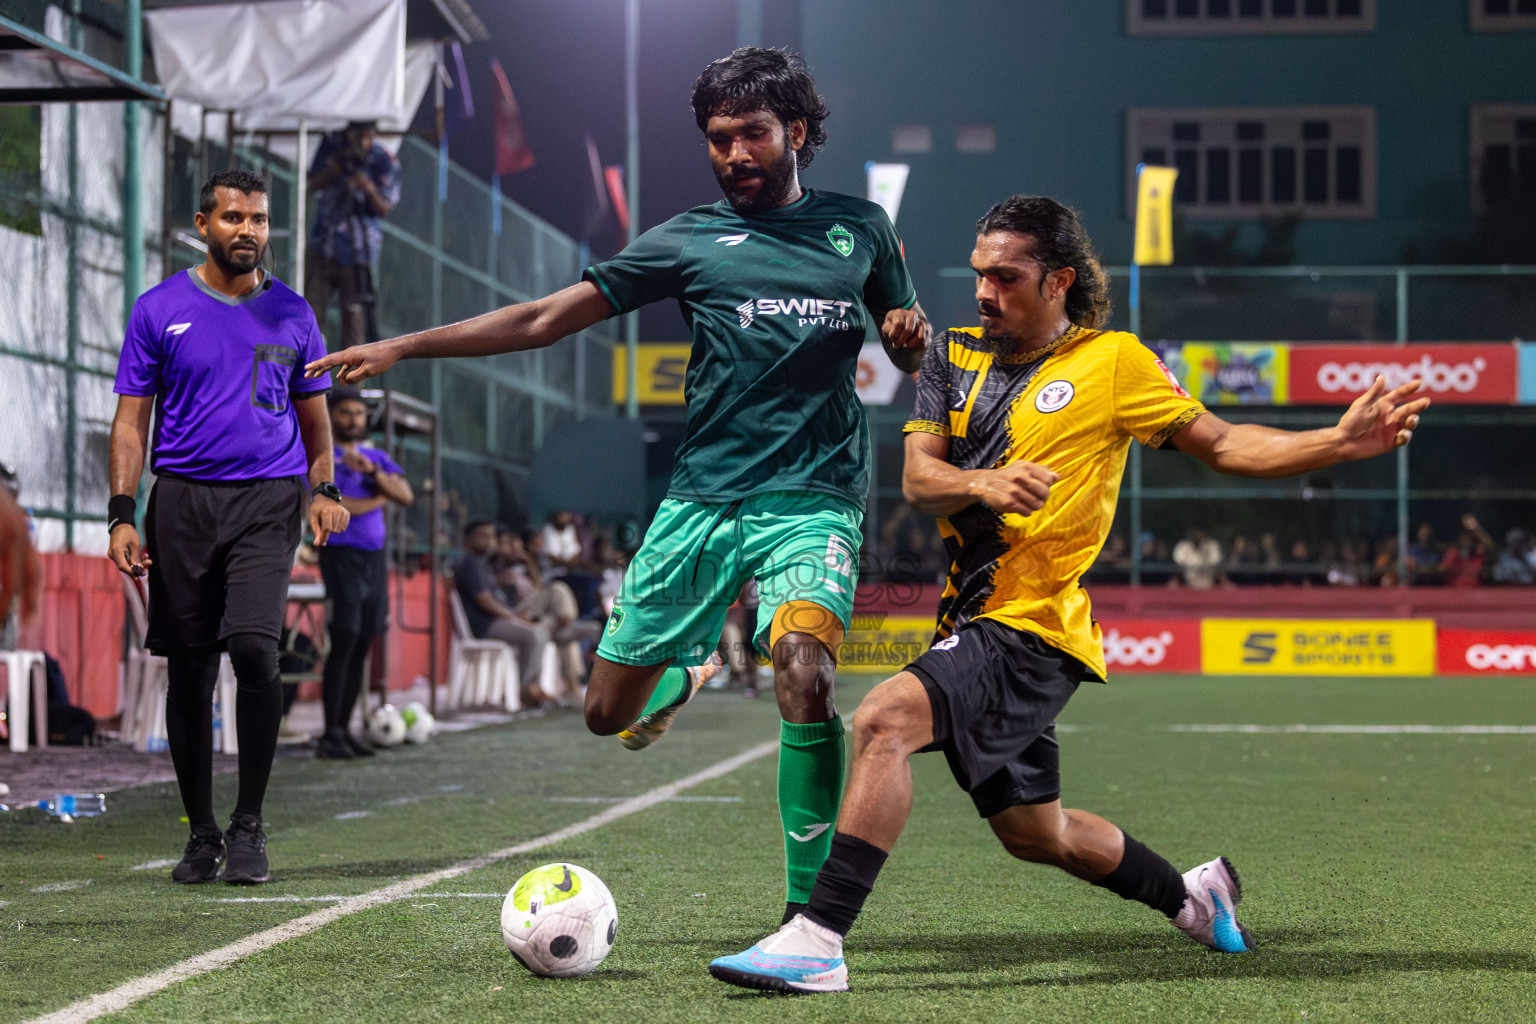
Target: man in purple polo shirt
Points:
x,y
220,350
354,567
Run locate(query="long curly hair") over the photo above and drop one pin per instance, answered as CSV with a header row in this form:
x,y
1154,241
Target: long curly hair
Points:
x,y
757,78
1060,241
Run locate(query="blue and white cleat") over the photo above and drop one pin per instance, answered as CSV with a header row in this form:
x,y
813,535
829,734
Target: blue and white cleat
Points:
x,y
1209,915
802,956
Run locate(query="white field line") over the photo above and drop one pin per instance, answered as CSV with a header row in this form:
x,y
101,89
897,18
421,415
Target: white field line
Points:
x,y
150,865
1369,730
127,994
620,799
340,899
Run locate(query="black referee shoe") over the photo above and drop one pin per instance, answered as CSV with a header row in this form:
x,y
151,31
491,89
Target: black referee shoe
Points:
x,y
333,746
200,862
357,746
245,863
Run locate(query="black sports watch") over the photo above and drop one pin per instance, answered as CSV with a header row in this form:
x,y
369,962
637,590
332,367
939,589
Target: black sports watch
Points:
x,y
328,490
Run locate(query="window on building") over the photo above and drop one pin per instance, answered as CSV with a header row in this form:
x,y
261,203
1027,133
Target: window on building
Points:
x,y
912,138
1241,17
1242,162
1502,15
1503,156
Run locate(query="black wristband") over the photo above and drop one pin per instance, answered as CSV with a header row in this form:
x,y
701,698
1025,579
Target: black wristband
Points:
x,y
121,508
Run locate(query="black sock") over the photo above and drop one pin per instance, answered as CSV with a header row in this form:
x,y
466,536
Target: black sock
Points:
x,y
1147,878
791,908
355,669
190,677
258,713
333,683
845,882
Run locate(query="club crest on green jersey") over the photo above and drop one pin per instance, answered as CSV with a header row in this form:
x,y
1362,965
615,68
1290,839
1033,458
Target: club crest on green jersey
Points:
x,y
841,239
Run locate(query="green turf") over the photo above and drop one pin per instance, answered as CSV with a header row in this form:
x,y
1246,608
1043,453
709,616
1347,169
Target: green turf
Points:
x,y
1388,877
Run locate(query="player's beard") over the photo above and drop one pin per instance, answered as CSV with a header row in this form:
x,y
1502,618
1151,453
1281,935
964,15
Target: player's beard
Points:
x,y
996,339
232,260
777,180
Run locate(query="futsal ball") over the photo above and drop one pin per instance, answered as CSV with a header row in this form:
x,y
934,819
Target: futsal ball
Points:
x,y
559,921
386,728
419,723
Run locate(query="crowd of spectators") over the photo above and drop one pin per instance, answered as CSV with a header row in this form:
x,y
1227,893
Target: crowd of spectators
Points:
x,y
1201,561
909,549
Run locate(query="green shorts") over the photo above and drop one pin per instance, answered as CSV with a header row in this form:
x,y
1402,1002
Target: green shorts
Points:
x,y
802,548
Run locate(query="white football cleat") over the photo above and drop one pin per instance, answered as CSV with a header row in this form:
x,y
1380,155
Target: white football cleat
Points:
x,y
802,956
1209,915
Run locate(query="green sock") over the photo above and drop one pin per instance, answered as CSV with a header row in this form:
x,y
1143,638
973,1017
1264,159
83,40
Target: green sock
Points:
x,y
670,689
811,763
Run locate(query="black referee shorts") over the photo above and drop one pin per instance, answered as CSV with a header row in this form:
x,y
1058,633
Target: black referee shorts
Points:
x,y
357,585
222,554
995,694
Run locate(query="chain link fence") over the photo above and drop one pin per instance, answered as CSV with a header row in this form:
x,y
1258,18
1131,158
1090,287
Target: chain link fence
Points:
x,y
61,307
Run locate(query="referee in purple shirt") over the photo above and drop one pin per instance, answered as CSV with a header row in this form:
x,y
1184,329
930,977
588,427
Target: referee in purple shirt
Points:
x,y
355,567
219,352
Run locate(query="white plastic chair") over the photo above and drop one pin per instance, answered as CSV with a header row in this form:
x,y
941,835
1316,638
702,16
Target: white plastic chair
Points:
x,y
25,702
480,671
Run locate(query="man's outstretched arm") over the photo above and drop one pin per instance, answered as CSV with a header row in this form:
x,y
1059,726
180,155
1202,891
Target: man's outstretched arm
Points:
x,y
518,328
1377,422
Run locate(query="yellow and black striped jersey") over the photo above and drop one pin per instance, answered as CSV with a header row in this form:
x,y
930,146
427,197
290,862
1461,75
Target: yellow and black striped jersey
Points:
x,y
1072,407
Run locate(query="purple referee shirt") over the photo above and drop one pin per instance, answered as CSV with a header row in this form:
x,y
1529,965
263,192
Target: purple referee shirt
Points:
x,y
223,372
364,532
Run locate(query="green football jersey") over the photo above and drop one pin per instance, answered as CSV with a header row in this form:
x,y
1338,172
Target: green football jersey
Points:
x,y
778,303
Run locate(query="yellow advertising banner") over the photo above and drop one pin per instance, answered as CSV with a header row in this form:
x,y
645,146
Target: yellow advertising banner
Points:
x,y
880,641
660,368
1318,647
1154,215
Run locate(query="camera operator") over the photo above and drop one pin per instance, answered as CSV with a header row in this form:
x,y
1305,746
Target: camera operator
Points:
x,y
355,183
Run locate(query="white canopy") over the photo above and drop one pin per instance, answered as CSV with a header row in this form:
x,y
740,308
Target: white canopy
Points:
x,y
278,63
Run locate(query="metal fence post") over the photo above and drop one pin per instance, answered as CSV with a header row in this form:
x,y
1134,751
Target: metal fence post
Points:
x,y
1402,453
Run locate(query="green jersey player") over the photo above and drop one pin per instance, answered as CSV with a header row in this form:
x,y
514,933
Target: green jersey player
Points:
x,y
777,284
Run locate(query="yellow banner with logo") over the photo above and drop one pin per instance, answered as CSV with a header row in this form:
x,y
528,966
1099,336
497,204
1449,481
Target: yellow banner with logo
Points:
x,y
1154,215
660,368
1318,647
879,641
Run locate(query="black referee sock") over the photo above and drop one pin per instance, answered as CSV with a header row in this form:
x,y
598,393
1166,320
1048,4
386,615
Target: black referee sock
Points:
x,y
258,713
1147,878
845,882
190,677
336,678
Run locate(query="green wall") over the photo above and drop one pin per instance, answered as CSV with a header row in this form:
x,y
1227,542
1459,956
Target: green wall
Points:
x,y
1056,77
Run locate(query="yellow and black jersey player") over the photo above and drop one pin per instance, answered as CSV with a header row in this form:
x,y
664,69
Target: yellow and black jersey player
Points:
x,y
1073,405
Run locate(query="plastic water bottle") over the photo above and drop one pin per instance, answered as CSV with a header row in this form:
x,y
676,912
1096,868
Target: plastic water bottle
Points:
x,y
75,805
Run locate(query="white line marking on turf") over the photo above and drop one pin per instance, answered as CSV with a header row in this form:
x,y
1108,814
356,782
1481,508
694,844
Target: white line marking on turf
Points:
x,y
127,994
151,865
338,899
621,799
62,886
349,815
1369,730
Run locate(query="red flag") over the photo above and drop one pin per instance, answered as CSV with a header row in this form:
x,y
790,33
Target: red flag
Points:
x,y
512,152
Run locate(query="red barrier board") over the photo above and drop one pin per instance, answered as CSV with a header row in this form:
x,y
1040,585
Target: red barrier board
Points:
x,y
1473,374
1151,645
1486,652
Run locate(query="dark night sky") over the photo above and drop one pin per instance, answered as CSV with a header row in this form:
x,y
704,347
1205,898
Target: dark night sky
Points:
x,y
565,62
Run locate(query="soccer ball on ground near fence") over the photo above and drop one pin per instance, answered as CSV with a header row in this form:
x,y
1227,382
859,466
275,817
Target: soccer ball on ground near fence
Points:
x,y
386,727
419,723
559,920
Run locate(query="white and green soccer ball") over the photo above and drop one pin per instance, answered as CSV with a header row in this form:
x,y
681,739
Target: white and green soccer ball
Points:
x,y
386,727
419,722
559,920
